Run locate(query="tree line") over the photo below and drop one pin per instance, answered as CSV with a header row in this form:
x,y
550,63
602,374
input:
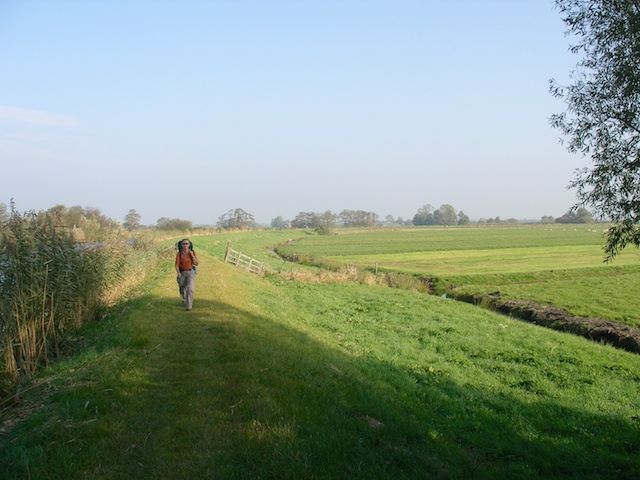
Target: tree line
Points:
x,y
445,215
89,224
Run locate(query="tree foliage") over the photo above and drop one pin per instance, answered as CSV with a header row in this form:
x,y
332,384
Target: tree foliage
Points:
x,y
304,220
87,225
358,218
424,216
279,222
132,220
444,215
165,223
327,219
237,219
463,218
602,116
581,215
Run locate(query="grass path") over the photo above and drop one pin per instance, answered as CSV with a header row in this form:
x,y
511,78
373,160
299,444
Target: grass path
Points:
x,y
196,392
161,394
186,388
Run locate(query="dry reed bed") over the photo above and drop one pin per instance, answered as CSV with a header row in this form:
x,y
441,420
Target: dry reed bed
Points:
x,y
51,285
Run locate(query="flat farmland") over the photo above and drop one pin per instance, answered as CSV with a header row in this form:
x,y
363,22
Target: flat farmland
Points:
x,y
555,265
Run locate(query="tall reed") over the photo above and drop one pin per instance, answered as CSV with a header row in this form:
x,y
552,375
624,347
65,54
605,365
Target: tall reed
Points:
x,y
50,286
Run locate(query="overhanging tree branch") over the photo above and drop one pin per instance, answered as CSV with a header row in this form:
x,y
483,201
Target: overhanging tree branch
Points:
x,y
602,116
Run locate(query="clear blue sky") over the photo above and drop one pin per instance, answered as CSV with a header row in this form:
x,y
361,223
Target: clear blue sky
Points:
x,y
188,109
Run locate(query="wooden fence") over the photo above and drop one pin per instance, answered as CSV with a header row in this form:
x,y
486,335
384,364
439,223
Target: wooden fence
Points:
x,y
243,261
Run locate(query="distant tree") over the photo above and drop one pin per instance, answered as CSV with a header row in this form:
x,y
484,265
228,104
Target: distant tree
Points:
x,y
57,214
165,223
547,219
358,218
326,222
463,218
75,217
132,220
237,219
304,220
389,220
322,223
84,224
581,215
279,222
602,116
424,216
445,215
584,216
92,213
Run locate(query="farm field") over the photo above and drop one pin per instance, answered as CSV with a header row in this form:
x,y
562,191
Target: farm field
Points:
x,y
555,265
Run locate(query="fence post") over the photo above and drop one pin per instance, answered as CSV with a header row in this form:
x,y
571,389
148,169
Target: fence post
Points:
x,y
226,255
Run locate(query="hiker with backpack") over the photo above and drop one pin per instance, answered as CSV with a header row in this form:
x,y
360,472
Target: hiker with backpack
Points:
x,y
186,261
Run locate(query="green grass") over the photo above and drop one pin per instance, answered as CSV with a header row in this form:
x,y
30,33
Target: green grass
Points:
x,y
270,378
258,244
466,264
613,297
559,266
404,240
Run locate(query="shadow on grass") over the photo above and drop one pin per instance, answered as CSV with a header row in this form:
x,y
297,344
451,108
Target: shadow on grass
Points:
x,y
221,393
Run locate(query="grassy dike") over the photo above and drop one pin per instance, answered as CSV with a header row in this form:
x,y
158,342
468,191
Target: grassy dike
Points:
x,y
277,379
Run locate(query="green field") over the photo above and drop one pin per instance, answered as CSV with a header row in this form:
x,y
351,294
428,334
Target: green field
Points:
x,y
422,239
559,266
271,378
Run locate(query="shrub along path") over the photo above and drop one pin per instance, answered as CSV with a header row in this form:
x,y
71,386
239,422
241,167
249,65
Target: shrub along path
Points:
x,y
249,385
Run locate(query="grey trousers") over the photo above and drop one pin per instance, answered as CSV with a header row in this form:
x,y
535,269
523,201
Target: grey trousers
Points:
x,y
187,283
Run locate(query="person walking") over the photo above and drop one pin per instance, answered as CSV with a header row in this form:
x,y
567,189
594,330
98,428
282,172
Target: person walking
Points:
x,y
186,261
